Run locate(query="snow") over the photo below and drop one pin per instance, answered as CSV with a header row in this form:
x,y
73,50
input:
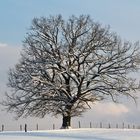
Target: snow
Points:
x,y
74,134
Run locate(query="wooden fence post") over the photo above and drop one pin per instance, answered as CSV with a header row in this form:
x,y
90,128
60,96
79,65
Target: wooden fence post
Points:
x,y
25,128
90,125
53,126
109,125
128,126
117,126
123,125
37,127
20,127
101,125
2,127
79,124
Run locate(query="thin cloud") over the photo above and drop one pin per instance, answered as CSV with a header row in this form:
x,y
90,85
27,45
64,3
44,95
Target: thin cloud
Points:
x,y
9,53
3,45
111,109
9,56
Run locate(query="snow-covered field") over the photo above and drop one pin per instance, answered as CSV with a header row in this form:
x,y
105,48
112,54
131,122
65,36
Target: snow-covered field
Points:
x,y
74,134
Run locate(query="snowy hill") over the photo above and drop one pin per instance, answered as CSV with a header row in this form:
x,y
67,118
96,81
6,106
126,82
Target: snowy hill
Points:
x,y
74,134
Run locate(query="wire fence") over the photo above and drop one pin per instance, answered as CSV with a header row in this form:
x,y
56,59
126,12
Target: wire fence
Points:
x,y
37,127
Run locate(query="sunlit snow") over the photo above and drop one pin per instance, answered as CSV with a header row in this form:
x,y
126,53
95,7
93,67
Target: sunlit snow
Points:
x,y
74,134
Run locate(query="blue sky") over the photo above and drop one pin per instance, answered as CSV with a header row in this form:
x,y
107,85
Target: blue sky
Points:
x,y
16,15
123,16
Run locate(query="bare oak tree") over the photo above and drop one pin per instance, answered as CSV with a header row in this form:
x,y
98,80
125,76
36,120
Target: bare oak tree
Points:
x,y
66,66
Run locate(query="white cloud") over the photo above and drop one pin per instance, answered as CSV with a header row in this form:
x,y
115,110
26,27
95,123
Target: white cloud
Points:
x,y
9,56
111,109
101,111
3,45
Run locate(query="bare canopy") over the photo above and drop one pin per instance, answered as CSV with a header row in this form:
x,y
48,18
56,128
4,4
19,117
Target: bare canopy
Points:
x,y
66,65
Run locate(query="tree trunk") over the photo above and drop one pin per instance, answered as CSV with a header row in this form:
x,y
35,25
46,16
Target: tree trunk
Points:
x,y
66,122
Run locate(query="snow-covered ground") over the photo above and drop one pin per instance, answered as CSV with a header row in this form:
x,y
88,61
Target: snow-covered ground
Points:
x,y
74,134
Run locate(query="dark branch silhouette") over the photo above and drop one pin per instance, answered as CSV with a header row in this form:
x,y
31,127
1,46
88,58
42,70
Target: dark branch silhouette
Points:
x,y
66,66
